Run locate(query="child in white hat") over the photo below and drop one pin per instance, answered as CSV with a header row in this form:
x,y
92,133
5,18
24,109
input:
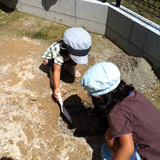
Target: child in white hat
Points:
x,y
134,122
72,49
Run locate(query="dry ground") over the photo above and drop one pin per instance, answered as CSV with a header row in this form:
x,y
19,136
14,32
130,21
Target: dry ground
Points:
x,y
31,127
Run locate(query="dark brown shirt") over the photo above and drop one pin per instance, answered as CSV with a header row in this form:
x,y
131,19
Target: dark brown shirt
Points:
x,y
136,115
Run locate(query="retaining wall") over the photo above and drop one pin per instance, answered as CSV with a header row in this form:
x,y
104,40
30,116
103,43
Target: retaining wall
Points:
x,y
134,34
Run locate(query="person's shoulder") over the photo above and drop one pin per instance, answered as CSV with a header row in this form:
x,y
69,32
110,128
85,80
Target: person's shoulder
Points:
x,y
56,47
138,94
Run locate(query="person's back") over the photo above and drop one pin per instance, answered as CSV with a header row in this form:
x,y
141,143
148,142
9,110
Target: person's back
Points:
x,y
137,115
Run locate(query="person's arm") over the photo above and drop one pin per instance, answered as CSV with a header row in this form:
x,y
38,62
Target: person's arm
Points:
x,y
122,148
112,144
56,79
126,147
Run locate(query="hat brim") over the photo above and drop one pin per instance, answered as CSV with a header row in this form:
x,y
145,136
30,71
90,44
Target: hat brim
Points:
x,y
79,59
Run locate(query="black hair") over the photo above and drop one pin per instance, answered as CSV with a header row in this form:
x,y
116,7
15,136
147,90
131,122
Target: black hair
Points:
x,y
107,101
63,52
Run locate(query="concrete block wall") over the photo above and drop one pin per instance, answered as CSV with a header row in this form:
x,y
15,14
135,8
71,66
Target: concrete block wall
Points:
x,y
62,12
91,15
134,34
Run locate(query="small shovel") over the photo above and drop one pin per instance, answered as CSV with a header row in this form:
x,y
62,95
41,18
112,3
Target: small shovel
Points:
x,y
63,109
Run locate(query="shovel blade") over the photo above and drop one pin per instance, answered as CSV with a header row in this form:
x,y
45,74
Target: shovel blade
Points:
x,y
63,109
65,112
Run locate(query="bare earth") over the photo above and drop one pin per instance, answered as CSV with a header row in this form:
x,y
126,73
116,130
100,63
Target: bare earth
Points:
x,y
31,126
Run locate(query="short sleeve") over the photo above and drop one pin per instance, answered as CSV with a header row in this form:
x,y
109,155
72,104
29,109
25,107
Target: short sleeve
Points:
x,y
58,59
120,124
48,53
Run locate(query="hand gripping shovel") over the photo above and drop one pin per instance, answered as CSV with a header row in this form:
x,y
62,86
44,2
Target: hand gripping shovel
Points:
x,y
63,109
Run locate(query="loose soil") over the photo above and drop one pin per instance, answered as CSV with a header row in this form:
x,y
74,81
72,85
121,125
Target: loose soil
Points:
x,y
31,125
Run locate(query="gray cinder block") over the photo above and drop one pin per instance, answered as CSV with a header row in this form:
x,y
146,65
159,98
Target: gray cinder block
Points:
x,y
60,18
152,45
92,11
138,35
36,3
119,22
91,26
66,7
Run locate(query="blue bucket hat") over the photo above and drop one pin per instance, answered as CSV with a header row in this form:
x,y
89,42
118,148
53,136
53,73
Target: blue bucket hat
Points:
x,y
101,78
78,42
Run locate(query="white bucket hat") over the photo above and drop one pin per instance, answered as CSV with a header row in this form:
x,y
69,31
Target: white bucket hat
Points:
x,y
101,78
78,42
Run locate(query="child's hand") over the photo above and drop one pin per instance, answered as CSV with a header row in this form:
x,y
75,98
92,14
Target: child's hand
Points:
x,y
55,93
45,62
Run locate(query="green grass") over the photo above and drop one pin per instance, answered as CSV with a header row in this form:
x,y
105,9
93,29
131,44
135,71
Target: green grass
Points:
x,y
9,18
49,33
34,28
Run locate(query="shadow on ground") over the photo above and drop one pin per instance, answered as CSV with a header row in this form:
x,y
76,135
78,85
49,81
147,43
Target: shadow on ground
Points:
x,y
86,123
6,158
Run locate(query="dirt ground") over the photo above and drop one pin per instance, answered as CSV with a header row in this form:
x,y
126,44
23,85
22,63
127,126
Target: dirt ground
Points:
x,y
31,125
